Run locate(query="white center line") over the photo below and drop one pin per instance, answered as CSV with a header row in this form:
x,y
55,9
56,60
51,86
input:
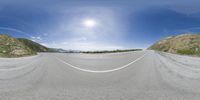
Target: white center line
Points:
x,y
102,71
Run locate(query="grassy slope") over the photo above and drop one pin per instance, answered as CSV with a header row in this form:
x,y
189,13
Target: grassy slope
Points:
x,y
11,47
188,44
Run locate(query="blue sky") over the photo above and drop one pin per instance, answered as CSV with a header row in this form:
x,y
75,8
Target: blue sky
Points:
x,y
119,24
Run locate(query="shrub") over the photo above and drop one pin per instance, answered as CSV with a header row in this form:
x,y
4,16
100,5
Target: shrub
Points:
x,y
186,51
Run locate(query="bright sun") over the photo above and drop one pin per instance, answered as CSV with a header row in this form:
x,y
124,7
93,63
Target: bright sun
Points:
x,y
89,23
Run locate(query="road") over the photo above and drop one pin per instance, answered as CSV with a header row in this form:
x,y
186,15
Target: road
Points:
x,y
139,75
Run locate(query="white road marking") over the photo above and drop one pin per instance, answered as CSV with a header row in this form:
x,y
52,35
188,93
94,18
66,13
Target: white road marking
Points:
x,y
102,71
17,68
21,67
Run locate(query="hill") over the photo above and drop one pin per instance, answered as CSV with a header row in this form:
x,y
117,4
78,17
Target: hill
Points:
x,y
59,50
12,47
188,44
111,51
33,45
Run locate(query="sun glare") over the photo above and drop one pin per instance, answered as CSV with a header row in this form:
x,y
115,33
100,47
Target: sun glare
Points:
x,y
89,23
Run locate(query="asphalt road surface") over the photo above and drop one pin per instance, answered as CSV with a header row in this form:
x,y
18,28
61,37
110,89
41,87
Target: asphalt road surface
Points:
x,y
139,75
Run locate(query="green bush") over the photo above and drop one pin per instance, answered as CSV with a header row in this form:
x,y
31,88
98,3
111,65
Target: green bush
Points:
x,y
186,51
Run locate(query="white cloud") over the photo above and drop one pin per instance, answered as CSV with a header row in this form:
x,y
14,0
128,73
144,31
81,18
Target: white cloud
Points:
x,y
33,37
36,39
39,38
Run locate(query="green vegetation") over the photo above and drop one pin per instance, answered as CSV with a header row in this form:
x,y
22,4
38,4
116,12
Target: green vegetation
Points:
x,y
186,52
12,47
186,44
33,45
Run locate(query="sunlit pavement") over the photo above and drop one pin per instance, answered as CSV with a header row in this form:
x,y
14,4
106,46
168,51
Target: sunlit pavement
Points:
x,y
141,75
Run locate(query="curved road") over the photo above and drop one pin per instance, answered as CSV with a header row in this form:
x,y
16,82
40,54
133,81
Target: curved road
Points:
x,y
142,75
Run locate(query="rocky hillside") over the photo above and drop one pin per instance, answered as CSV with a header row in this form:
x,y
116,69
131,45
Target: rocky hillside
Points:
x,y
188,44
12,47
33,45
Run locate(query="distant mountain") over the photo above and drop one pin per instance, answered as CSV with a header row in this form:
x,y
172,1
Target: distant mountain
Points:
x,y
57,50
111,51
12,47
33,45
188,44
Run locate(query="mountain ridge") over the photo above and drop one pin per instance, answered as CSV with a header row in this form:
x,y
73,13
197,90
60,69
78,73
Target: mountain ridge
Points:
x,y
33,45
